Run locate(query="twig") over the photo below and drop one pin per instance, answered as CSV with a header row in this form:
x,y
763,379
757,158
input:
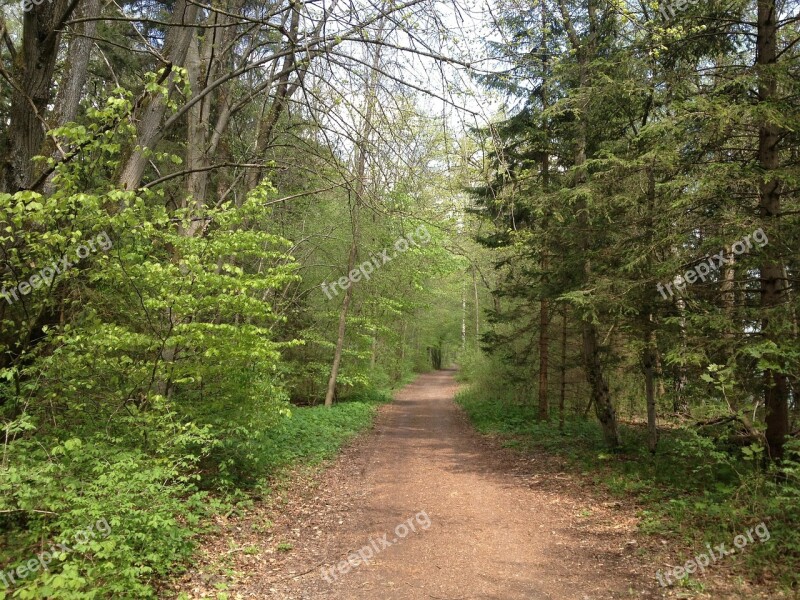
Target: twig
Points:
x,y
44,512
319,564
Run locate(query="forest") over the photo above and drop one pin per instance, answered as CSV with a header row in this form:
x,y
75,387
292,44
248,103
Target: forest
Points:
x,y
247,247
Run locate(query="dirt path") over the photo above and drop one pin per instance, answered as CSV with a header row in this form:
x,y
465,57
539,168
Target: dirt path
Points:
x,y
496,530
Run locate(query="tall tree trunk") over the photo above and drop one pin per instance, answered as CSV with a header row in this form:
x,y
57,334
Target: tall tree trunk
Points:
x,y
680,404
199,67
544,303
601,397
561,397
436,356
32,93
340,334
649,355
593,365
283,92
196,136
76,64
477,308
76,70
649,368
360,186
544,349
397,375
149,131
204,63
659,375
463,316
776,388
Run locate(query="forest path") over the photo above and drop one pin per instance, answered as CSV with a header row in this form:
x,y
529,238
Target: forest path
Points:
x,y
489,534
497,526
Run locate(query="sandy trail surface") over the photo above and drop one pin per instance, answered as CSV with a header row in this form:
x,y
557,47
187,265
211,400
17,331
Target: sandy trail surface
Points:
x,y
439,512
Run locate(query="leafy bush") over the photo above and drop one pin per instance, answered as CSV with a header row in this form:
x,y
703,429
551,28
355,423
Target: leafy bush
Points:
x,y
54,490
150,500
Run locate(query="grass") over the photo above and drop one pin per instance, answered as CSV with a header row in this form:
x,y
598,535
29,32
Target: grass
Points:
x,y
693,490
312,434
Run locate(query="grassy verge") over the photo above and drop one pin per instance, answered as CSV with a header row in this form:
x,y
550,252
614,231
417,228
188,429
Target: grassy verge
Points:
x,y
312,434
693,490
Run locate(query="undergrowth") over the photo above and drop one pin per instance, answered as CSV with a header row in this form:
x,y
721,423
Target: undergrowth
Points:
x,y
154,494
694,489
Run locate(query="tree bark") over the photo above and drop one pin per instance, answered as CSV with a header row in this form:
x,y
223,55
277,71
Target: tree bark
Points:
x,y
283,92
477,308
360,186
659,375
680,403
463,316
649,368
32,92
149,131
649,355
776,388
544,303
196,129
76,65
561,397
544,349
593,364
340,333
601,397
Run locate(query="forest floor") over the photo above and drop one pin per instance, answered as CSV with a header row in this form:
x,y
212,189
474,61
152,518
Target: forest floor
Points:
x,y
439,512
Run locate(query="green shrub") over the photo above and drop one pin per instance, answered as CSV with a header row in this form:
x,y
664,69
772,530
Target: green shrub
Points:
x,y
54,491
146,488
